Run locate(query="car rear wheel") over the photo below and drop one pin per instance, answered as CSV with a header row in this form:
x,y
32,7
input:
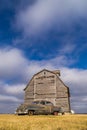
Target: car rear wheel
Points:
x,y
55,113
30,113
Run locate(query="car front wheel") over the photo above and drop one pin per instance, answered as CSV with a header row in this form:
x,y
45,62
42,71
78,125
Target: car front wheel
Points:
x,y
30,113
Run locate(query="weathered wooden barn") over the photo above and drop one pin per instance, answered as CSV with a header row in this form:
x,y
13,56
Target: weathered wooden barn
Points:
x,y
48,85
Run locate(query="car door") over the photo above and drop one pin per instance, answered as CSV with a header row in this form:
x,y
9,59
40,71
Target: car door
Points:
x,y
39,107
42,109
49,107
45,107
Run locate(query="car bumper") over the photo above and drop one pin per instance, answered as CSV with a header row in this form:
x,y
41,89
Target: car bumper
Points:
x,y
20,113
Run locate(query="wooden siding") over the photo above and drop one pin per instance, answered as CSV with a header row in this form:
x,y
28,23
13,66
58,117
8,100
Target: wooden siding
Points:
x,y
29,92
45,86
62,95
63,102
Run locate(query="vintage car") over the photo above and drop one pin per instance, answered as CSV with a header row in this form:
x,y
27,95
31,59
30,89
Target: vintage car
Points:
x,y
39,107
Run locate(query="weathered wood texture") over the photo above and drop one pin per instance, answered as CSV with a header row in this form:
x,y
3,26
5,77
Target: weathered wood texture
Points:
x,y
47,85
29,92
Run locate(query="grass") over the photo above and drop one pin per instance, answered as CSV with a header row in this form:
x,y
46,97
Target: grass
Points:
x,y
48,122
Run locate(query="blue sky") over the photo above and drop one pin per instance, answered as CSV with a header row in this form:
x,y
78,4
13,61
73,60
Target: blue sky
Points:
x,y
38,34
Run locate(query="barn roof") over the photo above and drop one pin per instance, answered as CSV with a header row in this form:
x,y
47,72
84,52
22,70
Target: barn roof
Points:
x,y
54,72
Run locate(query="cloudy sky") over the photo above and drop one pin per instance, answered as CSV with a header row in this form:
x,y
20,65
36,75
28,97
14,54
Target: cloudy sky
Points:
x,y
38,34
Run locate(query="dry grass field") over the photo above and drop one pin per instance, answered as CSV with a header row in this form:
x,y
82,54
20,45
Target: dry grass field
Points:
x,y
48,122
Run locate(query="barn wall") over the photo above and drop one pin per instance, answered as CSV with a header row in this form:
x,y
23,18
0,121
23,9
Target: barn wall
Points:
x,y
62,96
45,86
63,102
29,93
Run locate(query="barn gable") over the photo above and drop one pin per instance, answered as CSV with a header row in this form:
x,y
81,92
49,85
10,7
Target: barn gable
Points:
x,y
47,85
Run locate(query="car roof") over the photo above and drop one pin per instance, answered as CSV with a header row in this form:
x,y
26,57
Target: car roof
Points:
x,y
41,100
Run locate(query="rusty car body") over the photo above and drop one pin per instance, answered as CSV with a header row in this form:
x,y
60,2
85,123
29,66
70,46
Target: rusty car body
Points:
x,y
39,107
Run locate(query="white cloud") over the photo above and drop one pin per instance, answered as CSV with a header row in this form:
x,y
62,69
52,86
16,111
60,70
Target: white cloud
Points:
x,y
9,98
75,76
43,14
68,48
12,63
11,92
14,89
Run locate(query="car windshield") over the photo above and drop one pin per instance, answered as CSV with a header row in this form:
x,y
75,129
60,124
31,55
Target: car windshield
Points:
x,y
42,102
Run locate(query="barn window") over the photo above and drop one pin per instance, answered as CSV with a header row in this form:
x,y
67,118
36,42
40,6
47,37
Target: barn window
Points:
x,y
44,73
40,83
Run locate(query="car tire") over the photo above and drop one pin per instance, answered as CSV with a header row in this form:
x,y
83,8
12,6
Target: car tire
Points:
x,y
55,113
30,113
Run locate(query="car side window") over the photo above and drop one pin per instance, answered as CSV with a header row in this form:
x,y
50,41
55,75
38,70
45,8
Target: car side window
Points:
x,y
48,103
36,102
42,102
